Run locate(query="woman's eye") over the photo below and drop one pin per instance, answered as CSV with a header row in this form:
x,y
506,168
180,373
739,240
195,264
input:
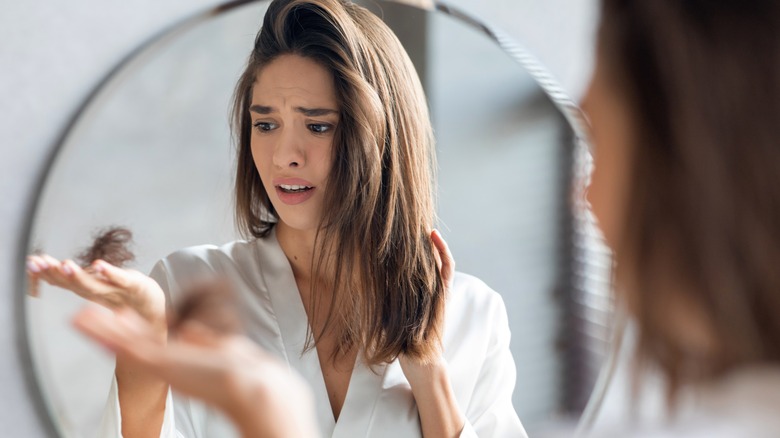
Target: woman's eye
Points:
x,y
319,128
264,126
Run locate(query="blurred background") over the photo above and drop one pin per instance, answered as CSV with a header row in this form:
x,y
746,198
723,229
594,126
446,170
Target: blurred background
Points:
x,y
54,55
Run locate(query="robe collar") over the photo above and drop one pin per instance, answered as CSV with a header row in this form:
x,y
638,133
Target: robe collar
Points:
x,y
365,385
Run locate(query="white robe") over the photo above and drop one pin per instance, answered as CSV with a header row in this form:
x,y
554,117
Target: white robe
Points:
x,y
740,404
378,403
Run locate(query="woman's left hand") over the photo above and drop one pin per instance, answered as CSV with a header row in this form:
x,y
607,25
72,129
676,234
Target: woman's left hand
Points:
x,y
443,259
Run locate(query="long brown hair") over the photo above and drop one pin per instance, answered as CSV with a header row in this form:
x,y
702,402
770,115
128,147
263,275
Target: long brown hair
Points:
x,y
702,79
388,296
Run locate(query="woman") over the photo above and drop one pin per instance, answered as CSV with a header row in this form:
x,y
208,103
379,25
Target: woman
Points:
x,y
685,112
339,277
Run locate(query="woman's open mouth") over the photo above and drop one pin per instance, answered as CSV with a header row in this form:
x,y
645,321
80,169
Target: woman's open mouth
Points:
x,y
294,188
292,194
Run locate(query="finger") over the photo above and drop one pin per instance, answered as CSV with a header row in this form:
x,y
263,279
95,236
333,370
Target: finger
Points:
x,y
111,273
48,261
124,333
62,275
69,275
67,268
436,254
92,286
34,264
55,275
33,271
98,325
48,265
38,260
33,287
178,360
83,283
447,262
58,273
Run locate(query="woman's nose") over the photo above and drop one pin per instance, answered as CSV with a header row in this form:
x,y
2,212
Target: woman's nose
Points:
x,y
289,150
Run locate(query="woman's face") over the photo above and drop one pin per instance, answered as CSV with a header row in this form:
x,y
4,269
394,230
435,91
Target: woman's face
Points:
x,y
294,115
611,135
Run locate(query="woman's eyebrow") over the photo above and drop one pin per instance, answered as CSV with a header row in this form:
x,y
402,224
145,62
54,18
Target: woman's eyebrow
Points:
x,y
309,112
262,109
315,112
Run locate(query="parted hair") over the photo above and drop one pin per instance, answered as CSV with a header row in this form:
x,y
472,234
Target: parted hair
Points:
x,y
374,235
702,79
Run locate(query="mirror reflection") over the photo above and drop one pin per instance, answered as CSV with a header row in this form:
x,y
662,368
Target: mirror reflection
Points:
x,y
153,152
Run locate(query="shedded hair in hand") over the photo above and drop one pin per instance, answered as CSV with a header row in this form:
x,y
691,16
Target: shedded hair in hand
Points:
x,y
110,244
208,301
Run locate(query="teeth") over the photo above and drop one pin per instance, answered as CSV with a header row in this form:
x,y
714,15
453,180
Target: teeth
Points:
x,y
293,187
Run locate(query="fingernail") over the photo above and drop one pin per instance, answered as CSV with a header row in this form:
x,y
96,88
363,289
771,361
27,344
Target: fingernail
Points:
x,y
43,264
32,292
66,268
97,267
32,267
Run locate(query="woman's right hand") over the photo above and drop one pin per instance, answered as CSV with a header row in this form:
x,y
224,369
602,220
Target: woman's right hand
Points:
x,y
101,283
228,371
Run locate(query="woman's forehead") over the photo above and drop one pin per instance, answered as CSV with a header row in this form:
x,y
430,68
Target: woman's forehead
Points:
x,y
293,77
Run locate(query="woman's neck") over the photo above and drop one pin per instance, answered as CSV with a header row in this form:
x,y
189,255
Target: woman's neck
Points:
x,y
298,246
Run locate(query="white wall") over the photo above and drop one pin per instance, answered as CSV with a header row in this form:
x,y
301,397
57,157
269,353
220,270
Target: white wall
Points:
x,y
53,53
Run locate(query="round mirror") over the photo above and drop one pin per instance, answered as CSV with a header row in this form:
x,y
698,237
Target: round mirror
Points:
x,y
151,150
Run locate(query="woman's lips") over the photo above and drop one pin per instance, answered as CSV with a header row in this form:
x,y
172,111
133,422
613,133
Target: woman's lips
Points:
x,y
294,197
292,191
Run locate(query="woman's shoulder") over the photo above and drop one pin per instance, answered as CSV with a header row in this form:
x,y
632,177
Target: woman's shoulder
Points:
x,y
211,254
470,292
476,322
238,256
237,250
475,307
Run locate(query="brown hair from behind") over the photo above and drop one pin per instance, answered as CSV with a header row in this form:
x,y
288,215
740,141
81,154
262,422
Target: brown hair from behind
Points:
x,y
388,296
702,79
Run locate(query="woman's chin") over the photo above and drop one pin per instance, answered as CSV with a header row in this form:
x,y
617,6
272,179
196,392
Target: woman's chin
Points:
x,y
297,223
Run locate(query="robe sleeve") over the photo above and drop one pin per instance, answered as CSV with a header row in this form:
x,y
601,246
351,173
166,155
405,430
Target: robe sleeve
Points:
x,y
490,412
111,423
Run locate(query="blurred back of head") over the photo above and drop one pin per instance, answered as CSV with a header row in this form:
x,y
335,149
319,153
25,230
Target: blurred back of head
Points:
x,y
701,240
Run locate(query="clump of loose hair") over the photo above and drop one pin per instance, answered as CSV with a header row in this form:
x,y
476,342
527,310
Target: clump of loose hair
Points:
x,y
110,244
374,237
210,302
